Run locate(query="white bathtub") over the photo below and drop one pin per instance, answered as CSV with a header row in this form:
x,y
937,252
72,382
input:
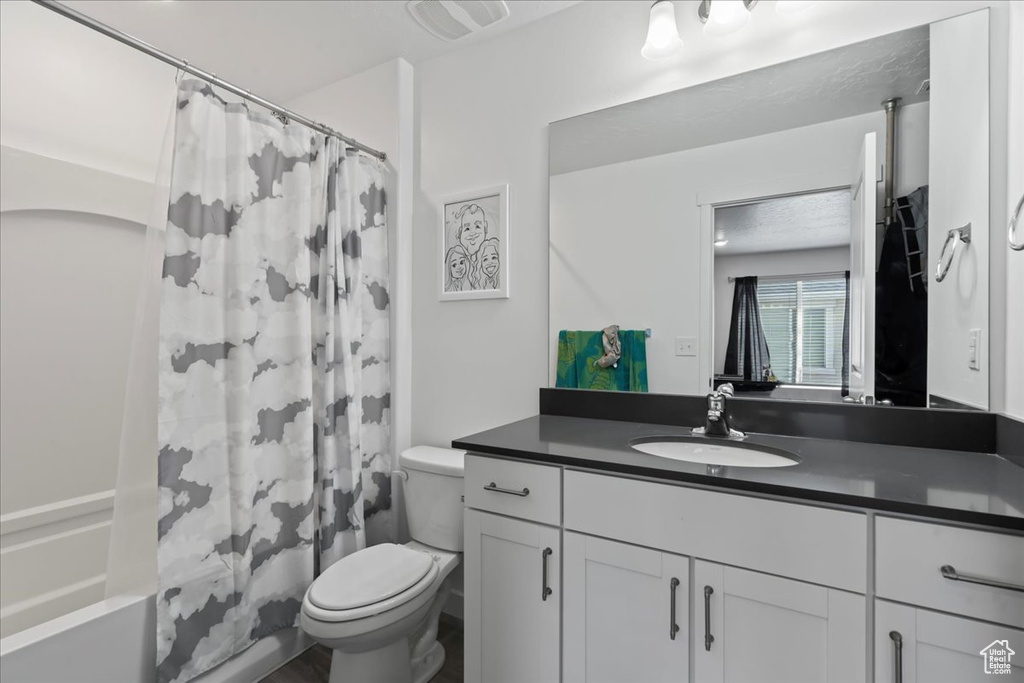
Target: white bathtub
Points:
x,y
114,641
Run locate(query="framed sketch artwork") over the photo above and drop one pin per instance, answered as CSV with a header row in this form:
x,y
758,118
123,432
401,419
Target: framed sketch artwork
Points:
x,y
474,245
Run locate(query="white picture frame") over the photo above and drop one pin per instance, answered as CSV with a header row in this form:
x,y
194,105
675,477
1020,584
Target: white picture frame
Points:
x,y
473,239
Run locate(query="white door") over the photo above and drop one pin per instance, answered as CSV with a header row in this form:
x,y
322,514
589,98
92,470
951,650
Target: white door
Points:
x,y
914,645
863,239
749,627
512,599
625,613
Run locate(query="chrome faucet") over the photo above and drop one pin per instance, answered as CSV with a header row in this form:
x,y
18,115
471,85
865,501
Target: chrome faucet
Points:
x,y
718,417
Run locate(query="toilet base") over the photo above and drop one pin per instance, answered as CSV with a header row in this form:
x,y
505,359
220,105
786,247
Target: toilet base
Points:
x,y
388,664
429,665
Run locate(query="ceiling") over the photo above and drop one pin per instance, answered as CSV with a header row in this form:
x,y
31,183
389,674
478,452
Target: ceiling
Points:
x,y
284,48
807,221
836,84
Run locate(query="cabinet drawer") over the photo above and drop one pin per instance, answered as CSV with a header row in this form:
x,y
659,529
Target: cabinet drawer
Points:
x,y
910,557
517,489
818,545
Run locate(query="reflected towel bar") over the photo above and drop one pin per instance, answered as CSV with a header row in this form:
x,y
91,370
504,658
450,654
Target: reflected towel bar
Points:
x,y
956,235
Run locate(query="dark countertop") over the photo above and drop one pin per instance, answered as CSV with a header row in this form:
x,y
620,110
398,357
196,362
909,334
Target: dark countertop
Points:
x,y
968,487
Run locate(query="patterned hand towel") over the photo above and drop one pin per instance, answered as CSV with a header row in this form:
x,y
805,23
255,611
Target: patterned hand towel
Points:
x,y
578,355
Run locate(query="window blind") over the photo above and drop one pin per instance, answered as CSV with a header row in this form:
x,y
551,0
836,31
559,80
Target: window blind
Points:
x,y
803,323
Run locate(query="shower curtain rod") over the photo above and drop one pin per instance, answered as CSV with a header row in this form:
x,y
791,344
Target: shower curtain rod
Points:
x,y
182,64
805,276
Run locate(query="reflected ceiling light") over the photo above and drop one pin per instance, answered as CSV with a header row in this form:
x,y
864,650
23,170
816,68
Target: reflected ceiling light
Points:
x,y
720,240
662,33
722,17
792,6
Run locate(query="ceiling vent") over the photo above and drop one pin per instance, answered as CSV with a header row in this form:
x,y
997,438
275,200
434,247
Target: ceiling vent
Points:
x,y
454,19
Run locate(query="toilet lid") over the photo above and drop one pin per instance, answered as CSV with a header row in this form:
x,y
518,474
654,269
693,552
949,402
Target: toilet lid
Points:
x,y
369,576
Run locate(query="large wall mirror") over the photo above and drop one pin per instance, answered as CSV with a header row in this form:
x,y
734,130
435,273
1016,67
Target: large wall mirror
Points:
x,y
814,230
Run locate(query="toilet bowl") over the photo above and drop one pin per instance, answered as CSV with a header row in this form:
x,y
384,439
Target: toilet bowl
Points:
x,y
378,608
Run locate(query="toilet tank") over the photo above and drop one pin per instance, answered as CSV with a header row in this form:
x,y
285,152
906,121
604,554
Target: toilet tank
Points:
x,y
433,495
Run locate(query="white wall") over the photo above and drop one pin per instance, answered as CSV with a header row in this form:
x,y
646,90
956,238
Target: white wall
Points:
x,y
483,115
624,237
797,262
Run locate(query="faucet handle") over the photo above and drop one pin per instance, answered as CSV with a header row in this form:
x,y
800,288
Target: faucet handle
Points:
x,y
726,388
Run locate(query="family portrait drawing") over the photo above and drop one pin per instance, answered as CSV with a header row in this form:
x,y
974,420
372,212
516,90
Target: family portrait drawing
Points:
x,y
474,247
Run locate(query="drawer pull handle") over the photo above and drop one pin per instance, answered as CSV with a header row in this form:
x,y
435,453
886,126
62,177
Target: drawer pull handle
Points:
x,y
949,572
673,627
708,638
897,656
512,492
545,591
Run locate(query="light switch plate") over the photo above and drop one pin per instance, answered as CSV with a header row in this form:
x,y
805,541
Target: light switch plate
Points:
x,y
686,346
974,349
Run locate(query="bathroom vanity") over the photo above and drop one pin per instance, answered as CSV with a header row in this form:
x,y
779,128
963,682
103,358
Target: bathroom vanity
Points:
x,y
893,550
587,560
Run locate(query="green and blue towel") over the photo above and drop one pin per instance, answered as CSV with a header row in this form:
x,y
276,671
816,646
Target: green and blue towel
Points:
x,y
579,350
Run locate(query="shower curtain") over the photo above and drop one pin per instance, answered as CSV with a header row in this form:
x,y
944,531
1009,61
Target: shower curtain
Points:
x,y
747,351
274,398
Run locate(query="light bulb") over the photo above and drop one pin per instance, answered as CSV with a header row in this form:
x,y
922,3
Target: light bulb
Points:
x,y
662,34
720,240
792,6
725,17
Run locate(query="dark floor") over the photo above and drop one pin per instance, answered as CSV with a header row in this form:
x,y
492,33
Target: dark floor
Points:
x,y
314,665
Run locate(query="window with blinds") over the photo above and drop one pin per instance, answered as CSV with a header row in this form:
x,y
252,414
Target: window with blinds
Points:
x,y
803,323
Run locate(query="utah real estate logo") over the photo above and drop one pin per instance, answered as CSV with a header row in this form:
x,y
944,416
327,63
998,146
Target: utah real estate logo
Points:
x,y
997,657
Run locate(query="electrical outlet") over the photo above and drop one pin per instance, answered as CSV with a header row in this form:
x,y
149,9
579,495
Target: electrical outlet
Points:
x,y
686,346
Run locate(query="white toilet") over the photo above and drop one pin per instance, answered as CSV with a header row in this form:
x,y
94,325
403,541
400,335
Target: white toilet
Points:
x,y
378,608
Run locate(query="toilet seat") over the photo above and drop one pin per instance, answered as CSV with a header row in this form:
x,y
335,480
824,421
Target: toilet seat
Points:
x,y
372,581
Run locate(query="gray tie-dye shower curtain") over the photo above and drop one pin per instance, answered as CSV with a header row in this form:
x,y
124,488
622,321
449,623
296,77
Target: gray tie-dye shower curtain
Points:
x,y
274,403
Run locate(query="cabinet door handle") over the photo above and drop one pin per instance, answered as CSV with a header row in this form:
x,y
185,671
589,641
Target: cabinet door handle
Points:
x,y
673,627
512,492
708,638
897,656
949,572
544,590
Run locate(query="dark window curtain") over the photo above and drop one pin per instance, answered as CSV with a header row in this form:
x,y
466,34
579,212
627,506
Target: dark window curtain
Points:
x,y
747,352
846,340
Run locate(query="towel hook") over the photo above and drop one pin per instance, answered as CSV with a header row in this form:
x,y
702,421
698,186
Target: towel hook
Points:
x,y
1013,226
955,236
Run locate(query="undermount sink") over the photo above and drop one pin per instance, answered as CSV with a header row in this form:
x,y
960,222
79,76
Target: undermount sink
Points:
x,y
708,451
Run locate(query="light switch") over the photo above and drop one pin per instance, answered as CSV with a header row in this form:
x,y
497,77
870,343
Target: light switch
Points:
x,y
686,346
974,349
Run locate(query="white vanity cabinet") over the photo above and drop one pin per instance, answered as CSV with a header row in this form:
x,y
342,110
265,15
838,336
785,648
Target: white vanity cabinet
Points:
x,y
965,592
513,590
916,645
659,582
625,612
749,626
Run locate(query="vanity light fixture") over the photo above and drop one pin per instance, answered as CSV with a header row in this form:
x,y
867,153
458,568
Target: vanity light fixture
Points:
x,y
662,33
720,240
722,17
792,6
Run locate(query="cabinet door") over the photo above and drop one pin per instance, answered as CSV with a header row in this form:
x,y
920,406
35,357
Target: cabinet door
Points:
x,y
749,626
917,645
512,598
625,613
